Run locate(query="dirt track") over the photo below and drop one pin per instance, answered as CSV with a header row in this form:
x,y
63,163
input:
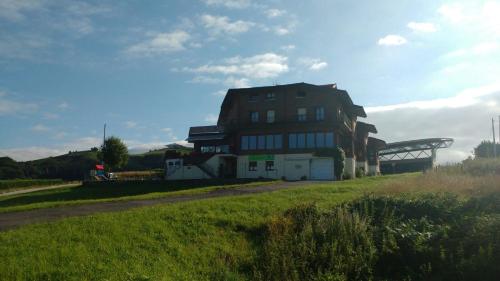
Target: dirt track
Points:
x,y
17,219
34,189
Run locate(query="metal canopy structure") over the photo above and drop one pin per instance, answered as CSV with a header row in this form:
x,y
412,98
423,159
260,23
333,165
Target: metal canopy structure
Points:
x,y
412,155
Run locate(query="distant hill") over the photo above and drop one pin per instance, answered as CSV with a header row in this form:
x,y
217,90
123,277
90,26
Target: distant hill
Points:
x,y
74,165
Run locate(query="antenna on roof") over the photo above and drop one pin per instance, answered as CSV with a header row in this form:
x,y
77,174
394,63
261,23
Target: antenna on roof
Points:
x,y
275,83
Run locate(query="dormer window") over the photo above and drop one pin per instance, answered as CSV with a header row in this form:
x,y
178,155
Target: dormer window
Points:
x,y
253,97
270,96
301,94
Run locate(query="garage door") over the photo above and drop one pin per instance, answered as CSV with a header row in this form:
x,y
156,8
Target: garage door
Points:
x,y
322,169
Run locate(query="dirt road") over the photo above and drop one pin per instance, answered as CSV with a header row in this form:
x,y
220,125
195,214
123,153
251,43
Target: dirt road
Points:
x,y
40,188
17,219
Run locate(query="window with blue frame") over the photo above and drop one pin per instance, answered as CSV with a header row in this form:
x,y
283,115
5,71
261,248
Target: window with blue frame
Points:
x,y
320,113
311,140
269,142
292,141
329,140
252,142
244,143
301,140
278,141
254,116
262,142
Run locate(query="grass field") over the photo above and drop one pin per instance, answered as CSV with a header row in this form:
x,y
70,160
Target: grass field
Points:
x,y
114,192
214,239
11,185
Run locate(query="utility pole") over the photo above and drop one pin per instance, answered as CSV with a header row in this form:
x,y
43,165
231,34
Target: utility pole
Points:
x,y
103,143
494,141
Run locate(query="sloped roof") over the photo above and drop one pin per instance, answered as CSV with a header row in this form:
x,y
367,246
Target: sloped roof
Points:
x,y
376,143
362,126
204,130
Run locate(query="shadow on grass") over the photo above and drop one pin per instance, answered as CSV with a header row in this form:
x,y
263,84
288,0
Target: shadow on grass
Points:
x,y
105,190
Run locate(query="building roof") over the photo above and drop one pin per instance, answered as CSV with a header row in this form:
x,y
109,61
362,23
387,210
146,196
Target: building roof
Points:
x,y
214,129
362,126
376,143
343,95
205,133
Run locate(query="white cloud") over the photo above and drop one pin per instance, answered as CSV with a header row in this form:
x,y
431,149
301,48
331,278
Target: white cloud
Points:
x,y
260,66
13,9
201,79
288,48
466,117
211,118
37,152
218,25
50,116
232,4
392,40
312,63
485,48
280,30
170,133
452,12
63,105
40,128
232,82
11,107
422,26
274,13
131,124
161,43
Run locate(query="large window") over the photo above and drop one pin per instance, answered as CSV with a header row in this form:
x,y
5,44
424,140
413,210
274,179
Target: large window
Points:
x,y
310,140
254,116
270,116
262,142
301,114
320,113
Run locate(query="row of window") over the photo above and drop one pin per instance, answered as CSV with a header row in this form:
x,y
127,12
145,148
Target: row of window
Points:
x,y
295,141
272,96
267,142
252,165
301,115
311,140
215,148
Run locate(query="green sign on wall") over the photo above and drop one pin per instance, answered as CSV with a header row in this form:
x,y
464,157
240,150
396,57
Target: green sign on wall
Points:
x,y
261,157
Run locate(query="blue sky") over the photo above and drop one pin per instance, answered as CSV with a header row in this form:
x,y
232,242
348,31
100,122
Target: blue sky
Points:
x,y
151,69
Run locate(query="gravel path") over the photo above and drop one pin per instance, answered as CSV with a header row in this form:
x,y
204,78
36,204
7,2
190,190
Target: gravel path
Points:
x,y
17,219
22,191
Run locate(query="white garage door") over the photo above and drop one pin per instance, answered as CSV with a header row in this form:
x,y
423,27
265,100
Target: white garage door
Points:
x,y
322,169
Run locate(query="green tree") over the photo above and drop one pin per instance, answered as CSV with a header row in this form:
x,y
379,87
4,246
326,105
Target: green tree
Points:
x,y
485,149
114,153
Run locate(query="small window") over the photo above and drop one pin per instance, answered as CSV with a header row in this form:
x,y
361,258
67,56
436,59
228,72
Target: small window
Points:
x,y
301,114
270,116
301,94
270,96
320,113
252,166
253,97
254,116
269,165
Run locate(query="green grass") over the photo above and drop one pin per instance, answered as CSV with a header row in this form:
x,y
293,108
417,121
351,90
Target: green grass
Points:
x,y
211,239
10,185
117,192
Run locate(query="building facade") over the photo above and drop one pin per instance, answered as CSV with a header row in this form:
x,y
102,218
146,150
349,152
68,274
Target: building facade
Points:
x,y
276,132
